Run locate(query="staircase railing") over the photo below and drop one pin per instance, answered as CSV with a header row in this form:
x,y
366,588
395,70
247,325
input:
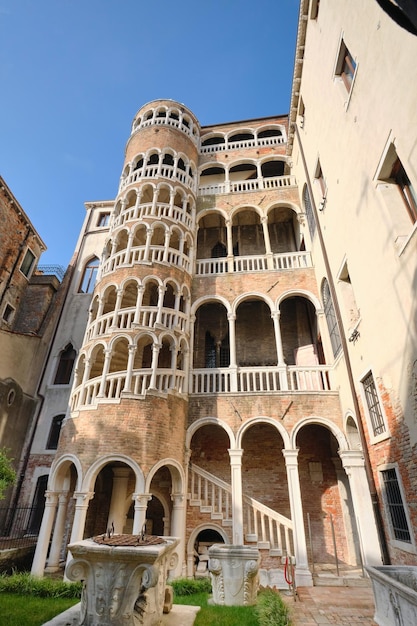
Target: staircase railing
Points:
x,y
262,525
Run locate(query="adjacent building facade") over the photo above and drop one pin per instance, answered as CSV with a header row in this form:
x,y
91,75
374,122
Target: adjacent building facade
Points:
x,y
235,357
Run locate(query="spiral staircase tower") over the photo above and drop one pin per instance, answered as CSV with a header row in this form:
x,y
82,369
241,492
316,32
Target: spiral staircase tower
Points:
x,y
131,379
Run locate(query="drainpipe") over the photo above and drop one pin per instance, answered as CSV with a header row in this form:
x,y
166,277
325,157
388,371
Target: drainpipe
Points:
x,y
368,468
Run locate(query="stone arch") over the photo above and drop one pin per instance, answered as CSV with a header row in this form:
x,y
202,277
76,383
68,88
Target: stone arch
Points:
x,y
94,469
193,538
263,420
321,421
59,470
303,293
205,421
252,295
176,471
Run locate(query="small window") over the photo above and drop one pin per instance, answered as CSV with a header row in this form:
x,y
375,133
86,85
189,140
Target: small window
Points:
x,y
54,432
301,112
394,501
331,320
320,180
374,406
314,11
89,276
352,312
65,365
346,66
28,263
103,219
8,313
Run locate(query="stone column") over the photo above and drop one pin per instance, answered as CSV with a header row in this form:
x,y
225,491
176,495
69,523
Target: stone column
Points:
x,y
42,544
106,367
354,465
149,233
55,551
155,355
303,577
82,500
178,530
119,296
161,294
232,348
117,512
136,317
237,495
128,247
129,373
141,504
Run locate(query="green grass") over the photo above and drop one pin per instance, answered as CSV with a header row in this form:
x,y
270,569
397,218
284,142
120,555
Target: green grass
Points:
x,y
29,601
270,609
33,601
18,610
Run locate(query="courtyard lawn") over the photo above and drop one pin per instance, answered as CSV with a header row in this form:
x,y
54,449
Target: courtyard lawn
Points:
x,y
17,610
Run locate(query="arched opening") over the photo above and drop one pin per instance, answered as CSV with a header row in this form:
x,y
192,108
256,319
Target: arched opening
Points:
x,y
211,233
113,489
329,518
255,336
211,336
271,169
283,229
205,539
301,340
247,233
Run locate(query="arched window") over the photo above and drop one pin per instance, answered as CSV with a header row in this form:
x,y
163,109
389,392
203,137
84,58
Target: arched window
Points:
x,y
331,318
309,212
89,276
65,365
54,432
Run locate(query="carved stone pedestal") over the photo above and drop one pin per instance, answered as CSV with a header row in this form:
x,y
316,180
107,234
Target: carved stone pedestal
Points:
x,y
234,574
124,585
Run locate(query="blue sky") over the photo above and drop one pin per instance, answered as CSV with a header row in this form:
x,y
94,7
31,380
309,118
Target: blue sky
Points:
x,y
74,73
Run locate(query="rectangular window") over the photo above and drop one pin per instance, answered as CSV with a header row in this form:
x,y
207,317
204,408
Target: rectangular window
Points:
x,y
28,263
374,406
8,313
393,497
318,175
103,219
314,11
346,66
399,177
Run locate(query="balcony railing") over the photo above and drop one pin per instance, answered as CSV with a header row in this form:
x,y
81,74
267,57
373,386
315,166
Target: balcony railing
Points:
x,y
158,171
128,318
291,378
242,186
158,211
91,392
254,263
157,254
247,143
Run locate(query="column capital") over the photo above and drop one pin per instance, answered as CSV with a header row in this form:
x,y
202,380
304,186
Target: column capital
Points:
x,y
291,457
235,456
178,499
141,499
83,498
352,458
51,498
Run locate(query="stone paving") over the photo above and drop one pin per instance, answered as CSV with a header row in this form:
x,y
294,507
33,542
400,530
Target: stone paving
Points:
x,y
339,606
